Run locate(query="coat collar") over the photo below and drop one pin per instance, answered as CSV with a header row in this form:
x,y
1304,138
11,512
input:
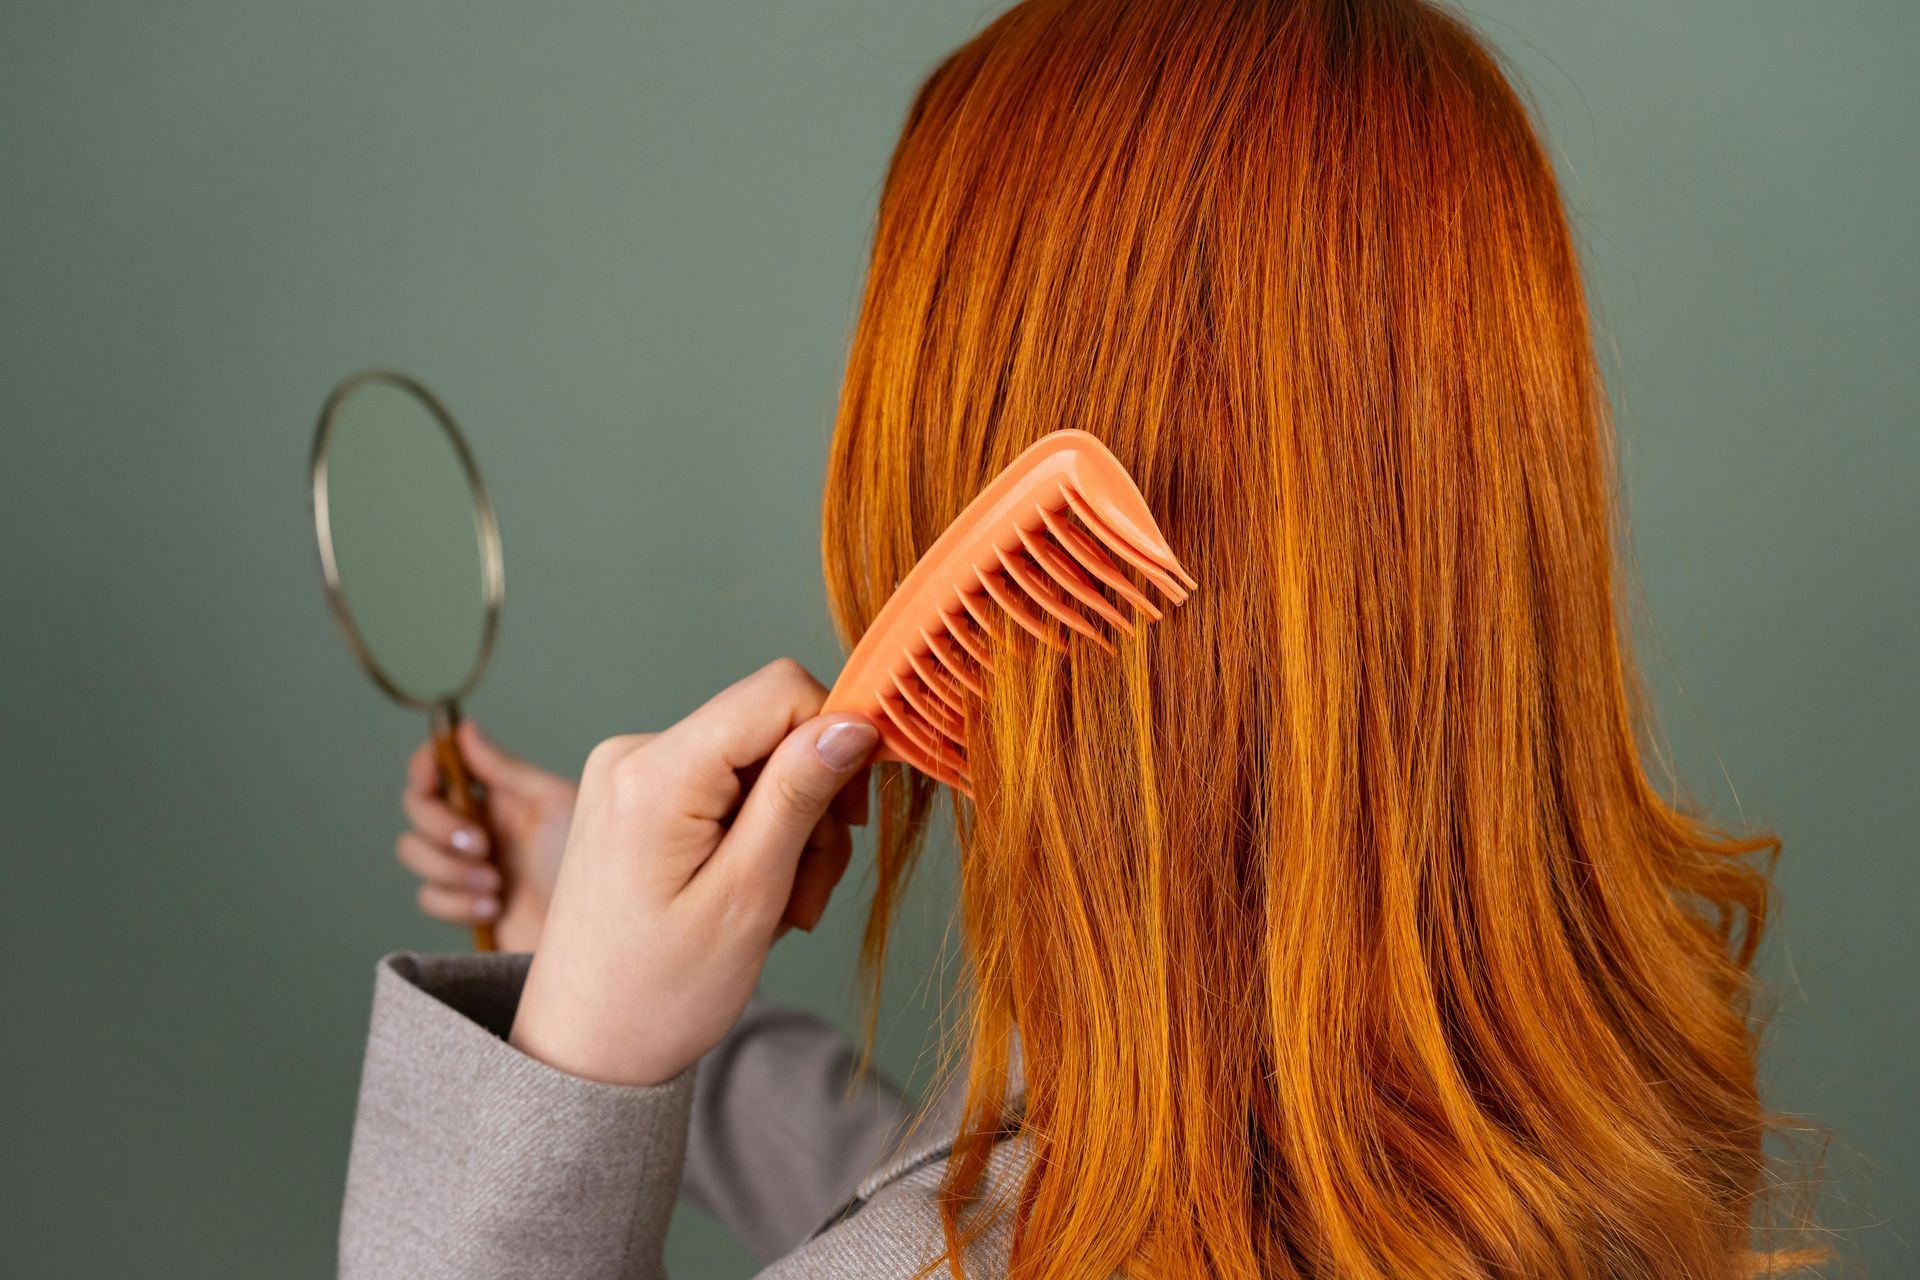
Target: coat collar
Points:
x,y
931,1133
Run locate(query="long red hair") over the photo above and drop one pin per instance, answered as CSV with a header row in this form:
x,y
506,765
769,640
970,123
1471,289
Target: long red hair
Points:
x,y
1342,929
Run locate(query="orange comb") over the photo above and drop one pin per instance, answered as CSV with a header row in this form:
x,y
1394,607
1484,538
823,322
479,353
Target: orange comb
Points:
x,y
1033,545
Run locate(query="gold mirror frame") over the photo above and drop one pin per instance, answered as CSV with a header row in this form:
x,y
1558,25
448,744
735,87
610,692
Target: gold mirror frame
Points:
x,y
486,528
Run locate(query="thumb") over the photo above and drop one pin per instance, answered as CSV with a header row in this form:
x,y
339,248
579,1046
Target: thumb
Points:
x,y
795,787
496,768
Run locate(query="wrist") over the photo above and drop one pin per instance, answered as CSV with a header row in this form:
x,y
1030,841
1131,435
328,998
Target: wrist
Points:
x,y
561,1024
520,927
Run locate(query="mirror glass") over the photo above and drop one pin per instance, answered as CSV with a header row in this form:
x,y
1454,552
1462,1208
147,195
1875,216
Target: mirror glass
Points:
x,y
408,538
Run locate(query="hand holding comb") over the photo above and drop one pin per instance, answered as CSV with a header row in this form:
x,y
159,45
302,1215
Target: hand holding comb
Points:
x,y
1037,544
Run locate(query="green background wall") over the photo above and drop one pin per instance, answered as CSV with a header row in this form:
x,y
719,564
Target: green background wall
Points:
x,y
624,241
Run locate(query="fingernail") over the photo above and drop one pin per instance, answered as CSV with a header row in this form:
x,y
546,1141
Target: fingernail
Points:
x,y
467,840
485,879
486,908
846,744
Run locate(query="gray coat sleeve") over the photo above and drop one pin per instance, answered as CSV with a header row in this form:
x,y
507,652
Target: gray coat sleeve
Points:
x,y
782,1136
472,1159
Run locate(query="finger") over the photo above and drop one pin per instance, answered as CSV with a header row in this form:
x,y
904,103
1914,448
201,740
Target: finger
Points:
x,y
456,907
744,722
755,863
498,769
423,771
437,865
432,818
850,806
822,864
805,871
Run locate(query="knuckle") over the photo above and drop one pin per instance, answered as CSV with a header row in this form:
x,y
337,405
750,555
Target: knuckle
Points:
x,y
639,762
608,754
797,793
788,673
637,776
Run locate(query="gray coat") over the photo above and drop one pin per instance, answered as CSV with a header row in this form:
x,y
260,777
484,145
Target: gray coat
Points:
x,y
471,1159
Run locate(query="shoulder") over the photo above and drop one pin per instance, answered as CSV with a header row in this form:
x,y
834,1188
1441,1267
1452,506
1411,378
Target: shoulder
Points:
x,y
892,1228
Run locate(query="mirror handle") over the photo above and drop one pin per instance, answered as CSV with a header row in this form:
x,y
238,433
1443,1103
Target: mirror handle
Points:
x,y
456,785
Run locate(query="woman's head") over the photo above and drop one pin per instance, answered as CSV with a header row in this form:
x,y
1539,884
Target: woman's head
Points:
x,y
1341,927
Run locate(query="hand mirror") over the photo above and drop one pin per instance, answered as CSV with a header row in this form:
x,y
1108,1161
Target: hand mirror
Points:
x,y
410,557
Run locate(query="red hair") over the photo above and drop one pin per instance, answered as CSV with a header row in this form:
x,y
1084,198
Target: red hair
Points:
x,y
1341,927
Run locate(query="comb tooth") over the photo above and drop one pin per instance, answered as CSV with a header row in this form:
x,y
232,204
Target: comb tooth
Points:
x,y
970,602
935,749
957,628
1096,562
1030,583
1149,566
942,745
956,766
900,714
1123,548
942,650
1028,619
904,741
1137,530
927,667
930,709
955,778
1069,575
1173,566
